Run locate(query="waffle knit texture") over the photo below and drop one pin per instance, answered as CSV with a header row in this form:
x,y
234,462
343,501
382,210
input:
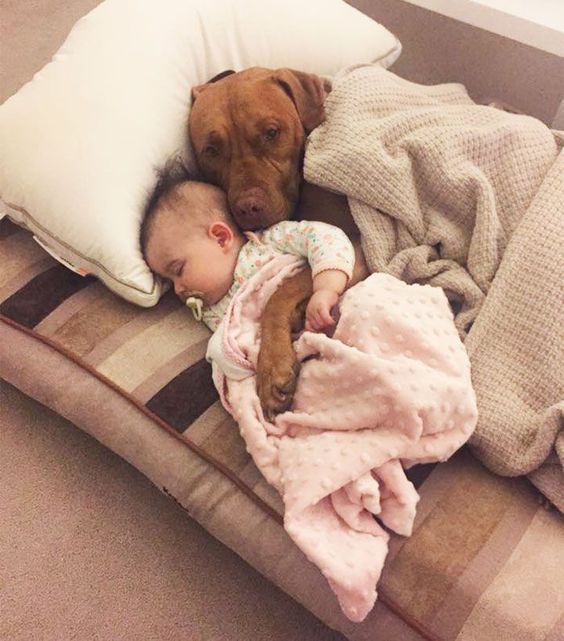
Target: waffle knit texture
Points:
x,y
471,199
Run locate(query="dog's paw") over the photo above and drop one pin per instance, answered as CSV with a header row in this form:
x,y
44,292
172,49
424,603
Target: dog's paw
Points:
x,y
277,376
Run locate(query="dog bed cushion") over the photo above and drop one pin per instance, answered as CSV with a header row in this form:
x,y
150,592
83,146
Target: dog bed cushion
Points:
x,y
136,379
80,144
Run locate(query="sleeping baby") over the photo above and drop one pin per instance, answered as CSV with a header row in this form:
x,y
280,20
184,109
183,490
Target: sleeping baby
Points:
x,y
189,237
389,388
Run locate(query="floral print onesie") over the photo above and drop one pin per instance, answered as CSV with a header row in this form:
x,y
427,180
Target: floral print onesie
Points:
x,y
323,246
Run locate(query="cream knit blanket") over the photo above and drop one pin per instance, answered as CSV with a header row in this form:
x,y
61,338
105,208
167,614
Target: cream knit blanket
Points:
x,y
440,187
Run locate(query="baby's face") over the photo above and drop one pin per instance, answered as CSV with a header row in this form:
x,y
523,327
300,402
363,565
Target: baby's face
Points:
x,y
197,263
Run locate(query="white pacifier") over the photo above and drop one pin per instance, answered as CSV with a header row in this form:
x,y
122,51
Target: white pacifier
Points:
x,y
195,305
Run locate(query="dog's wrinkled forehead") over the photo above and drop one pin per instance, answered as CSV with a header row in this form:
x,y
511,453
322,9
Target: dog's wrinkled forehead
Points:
x,y
287,91
226,79
212,100
242,102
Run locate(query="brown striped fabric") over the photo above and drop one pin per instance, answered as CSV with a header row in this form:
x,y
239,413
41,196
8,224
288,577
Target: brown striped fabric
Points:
x,y
129,345
187,395
42,295
485,561
7,229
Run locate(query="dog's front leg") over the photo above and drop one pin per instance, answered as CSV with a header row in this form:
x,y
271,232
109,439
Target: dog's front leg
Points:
x,y
277,366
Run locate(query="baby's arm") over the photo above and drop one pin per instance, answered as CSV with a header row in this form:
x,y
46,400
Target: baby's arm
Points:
x,y
331,256
327,287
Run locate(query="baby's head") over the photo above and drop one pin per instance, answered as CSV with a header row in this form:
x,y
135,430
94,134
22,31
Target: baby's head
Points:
x,y
188,237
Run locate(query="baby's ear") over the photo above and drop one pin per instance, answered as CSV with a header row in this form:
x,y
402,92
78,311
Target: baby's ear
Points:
x,y
221,233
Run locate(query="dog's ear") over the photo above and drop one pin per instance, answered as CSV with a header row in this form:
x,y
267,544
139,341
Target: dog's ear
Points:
x,y
221,75
307,91
196,91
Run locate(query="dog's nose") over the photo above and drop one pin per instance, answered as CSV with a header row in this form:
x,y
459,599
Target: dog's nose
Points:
x,y
250,208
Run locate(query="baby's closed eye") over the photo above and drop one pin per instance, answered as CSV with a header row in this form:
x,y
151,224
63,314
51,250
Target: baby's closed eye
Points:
x,y
176,268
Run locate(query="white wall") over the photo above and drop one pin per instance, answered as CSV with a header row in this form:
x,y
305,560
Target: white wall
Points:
x,y
437,48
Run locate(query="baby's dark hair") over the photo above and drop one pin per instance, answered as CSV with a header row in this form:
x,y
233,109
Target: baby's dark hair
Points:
x,y
173,174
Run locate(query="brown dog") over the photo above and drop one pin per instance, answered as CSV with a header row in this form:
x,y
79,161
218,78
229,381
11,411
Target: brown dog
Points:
x,y
248,131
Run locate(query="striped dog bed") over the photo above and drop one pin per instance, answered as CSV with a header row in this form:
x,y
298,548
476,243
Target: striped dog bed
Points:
x,y
485,560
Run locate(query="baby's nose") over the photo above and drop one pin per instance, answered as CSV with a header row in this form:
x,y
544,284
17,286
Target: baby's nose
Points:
x,y
179,290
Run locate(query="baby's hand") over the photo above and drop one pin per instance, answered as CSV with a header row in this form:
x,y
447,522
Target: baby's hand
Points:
x,y
318,311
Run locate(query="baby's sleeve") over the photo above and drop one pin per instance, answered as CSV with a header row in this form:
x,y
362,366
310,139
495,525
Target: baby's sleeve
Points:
x,y
211,319
324,246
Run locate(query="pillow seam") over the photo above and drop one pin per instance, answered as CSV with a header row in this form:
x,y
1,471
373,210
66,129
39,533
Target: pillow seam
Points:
x,y
69,248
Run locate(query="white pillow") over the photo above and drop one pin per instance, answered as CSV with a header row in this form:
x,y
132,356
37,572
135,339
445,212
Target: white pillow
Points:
x,y
81,142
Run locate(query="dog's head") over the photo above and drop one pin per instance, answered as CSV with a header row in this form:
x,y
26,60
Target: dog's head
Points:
x,y
248,130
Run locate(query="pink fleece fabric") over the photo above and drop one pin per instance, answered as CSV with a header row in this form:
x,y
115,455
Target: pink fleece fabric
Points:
x,y
390,388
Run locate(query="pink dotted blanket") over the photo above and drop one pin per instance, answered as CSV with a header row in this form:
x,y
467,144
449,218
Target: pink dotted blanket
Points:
x,y
390,388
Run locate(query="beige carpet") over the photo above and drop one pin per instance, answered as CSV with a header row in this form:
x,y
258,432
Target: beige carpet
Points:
x,y
89,549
